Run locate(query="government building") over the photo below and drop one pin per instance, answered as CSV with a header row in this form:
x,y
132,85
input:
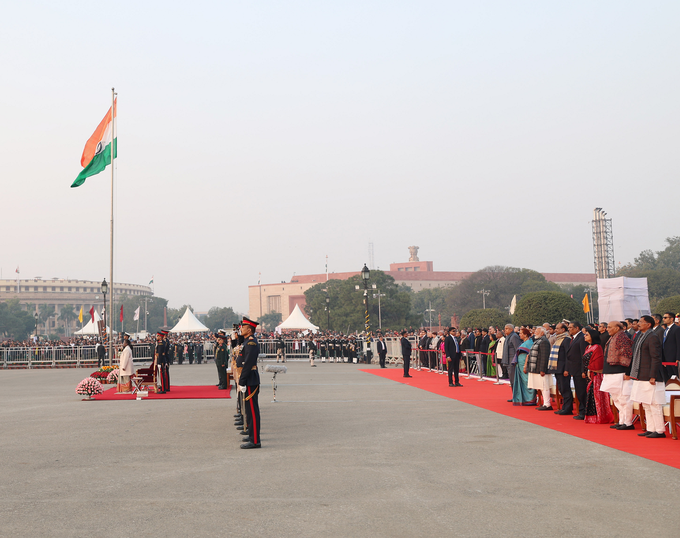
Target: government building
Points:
x,y
282,297
57,292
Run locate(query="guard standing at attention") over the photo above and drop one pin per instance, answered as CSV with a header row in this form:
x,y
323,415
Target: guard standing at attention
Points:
x,y
221,358
249,382
161,362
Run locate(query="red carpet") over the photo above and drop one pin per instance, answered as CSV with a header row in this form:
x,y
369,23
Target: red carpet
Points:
x,y
494,398
176,393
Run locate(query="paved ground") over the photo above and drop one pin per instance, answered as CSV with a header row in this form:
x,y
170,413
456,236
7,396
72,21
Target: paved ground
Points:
x,y
344,453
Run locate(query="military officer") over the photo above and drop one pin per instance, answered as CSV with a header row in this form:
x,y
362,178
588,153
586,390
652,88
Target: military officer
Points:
x,y
249,382
221,358
161,361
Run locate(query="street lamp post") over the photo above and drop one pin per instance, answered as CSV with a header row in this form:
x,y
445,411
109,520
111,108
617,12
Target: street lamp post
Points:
x,y
35,314
328,312
430,310
105,288
484,294
378,295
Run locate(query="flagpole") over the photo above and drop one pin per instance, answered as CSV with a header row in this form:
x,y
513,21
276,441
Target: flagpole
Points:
x,y
113,152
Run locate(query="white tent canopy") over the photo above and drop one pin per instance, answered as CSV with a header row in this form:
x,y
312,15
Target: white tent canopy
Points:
x,y
189,324
622,297
91,328
297,320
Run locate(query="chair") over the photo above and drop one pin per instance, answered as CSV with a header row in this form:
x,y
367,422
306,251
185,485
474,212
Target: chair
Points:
x,y
146,377
671,411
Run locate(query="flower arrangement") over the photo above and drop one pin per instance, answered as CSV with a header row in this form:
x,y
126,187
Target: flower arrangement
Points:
x,y
89,387
113,376
99,375
107,369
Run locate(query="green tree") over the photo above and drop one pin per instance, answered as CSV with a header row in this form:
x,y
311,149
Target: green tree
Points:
x,y
15,322
502,283
45,312
67,314
270,321
669,304
347,306
221,318
434,298
547,306
485,317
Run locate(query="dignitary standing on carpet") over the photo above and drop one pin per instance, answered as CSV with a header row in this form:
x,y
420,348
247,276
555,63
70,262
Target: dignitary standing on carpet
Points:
x,y
536,367
406,353
512,342
574,367
598,410
521,393
452,354
618,354
557,364
161,362
249,382
381,346
645,371
125,369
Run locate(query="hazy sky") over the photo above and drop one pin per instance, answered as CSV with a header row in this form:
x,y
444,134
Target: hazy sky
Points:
x,y
263,136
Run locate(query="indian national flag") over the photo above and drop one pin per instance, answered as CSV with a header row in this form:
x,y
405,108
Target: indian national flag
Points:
x,y
97,153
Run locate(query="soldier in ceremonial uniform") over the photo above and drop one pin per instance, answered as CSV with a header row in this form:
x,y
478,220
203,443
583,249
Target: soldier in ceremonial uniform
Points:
x,y
221,358
322,349
249,382
161,362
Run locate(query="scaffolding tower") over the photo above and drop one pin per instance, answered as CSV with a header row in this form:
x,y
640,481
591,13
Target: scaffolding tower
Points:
x,y
603,244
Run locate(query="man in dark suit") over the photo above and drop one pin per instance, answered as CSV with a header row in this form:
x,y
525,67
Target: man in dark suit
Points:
x,y
406,353
574,367
561,380
671,343
101,354
382,350
512,342
452,352
423,343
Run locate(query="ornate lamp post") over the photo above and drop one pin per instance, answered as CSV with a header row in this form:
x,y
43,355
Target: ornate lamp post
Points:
x,y
328,312
36,325
365,275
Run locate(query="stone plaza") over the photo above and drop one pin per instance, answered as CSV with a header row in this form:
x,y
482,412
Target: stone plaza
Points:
x,y
344,453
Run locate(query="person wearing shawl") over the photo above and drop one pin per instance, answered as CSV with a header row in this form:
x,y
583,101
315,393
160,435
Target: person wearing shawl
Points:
x,y
536,367
645,370
597,410
521,393
618,354
556,365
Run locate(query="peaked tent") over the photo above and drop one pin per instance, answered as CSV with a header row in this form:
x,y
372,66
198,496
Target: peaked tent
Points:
x,y
297,320
189,324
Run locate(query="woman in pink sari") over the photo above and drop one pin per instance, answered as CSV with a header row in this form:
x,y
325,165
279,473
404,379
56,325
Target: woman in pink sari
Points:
x,y
598,410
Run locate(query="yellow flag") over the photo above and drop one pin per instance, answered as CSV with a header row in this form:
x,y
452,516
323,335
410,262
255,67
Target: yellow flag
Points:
x,y
80,316
586,304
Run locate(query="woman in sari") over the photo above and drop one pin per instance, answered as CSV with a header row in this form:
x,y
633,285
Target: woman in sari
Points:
x,y
490,358
598,410
521,393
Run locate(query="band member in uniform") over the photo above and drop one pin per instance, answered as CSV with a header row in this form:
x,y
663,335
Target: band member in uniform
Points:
x,y
249,383
221,358
312,351
322,349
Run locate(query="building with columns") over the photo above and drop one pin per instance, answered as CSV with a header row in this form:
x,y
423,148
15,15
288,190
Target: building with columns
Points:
x,y
57,292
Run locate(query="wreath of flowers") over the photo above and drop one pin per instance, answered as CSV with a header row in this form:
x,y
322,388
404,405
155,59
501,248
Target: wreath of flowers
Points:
x,y
113,376
89,387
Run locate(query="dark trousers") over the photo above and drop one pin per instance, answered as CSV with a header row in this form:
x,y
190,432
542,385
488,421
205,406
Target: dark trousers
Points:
x,y
165,377
581,389
407,365
238,401
221,374
511,374
253,413
453,366
564,386
382,359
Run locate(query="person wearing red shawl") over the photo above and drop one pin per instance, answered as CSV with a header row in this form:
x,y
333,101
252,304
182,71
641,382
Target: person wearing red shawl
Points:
x,y
618,354
597,409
